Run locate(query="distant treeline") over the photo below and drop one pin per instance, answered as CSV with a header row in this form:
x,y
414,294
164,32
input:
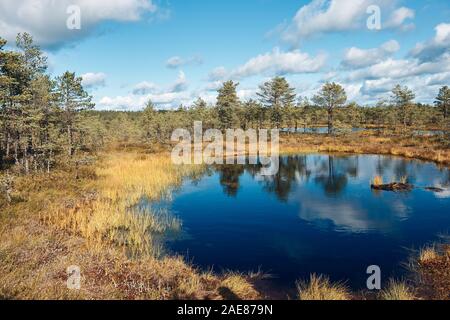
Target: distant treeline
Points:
x,y
45,120
279,107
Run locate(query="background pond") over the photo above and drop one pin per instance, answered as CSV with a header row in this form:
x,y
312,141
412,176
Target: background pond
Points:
x,y
318,215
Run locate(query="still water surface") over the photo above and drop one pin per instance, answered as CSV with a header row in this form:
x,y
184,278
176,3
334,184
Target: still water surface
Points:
x,y
318,215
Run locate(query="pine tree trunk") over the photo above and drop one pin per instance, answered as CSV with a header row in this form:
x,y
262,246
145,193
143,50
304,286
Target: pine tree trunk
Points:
x,y
8,141
8,195
330,120
16,152
26,161
69,137
49,161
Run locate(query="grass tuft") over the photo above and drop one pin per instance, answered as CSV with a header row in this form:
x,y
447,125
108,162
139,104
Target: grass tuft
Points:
x,y
398,291
428,254
112,215
320,288
377,181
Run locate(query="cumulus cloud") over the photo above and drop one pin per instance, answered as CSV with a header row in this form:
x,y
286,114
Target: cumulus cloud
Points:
x,y
399,17
281,63
93,80
137,102
436,47
424,69
246,94
180,84
213,85
439,79
176,62
378,86
272,63
357,58
46,20
324,16
403,68
163,97
219,73
144,88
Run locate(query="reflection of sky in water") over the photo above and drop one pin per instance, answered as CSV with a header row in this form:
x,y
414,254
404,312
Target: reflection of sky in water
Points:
x,y
317,215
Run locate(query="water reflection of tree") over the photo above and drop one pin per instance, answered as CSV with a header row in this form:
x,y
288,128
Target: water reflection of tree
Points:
x,y
290,168
229,178
334,182
383,164
331,173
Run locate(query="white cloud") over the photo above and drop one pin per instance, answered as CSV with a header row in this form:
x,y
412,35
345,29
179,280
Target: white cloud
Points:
x,y
357,58
399,17
439,79
168,97
180,84
280,63
273,63
214,85
144,88
138,102
436,47
219,73
378,86
324,16
46,19
246,94
93,80
397,69
176,62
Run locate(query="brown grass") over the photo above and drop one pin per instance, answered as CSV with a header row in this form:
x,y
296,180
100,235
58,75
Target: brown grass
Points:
x,y
57,221
433,148
398,291
427,255
377,181
431,271
320,288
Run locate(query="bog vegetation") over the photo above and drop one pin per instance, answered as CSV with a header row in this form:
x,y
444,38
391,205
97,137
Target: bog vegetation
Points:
x,y
45,120
70,177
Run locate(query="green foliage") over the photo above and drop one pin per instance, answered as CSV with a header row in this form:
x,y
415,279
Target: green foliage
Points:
x,y
443,101
279,97
45,120
227,105
330,97
39,116
402,98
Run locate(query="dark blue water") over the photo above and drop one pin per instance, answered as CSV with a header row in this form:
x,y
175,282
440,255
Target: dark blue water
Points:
x,y
318,215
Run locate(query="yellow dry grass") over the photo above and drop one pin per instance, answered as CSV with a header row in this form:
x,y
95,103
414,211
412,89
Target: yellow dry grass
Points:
x,y
235,286
61,221
423,148
377,181
397,290
320,288
428,254
111,215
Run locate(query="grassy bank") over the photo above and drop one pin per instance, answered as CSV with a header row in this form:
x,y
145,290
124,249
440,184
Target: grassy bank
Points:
x,y
89,218
429,148
58,221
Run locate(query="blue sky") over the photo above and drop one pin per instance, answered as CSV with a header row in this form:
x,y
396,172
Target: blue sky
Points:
x,y
172,52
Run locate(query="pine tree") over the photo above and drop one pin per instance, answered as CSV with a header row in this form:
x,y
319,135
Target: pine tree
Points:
x,y
278,96
443,101
227,105
403,100
149,122
72,99
331,96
